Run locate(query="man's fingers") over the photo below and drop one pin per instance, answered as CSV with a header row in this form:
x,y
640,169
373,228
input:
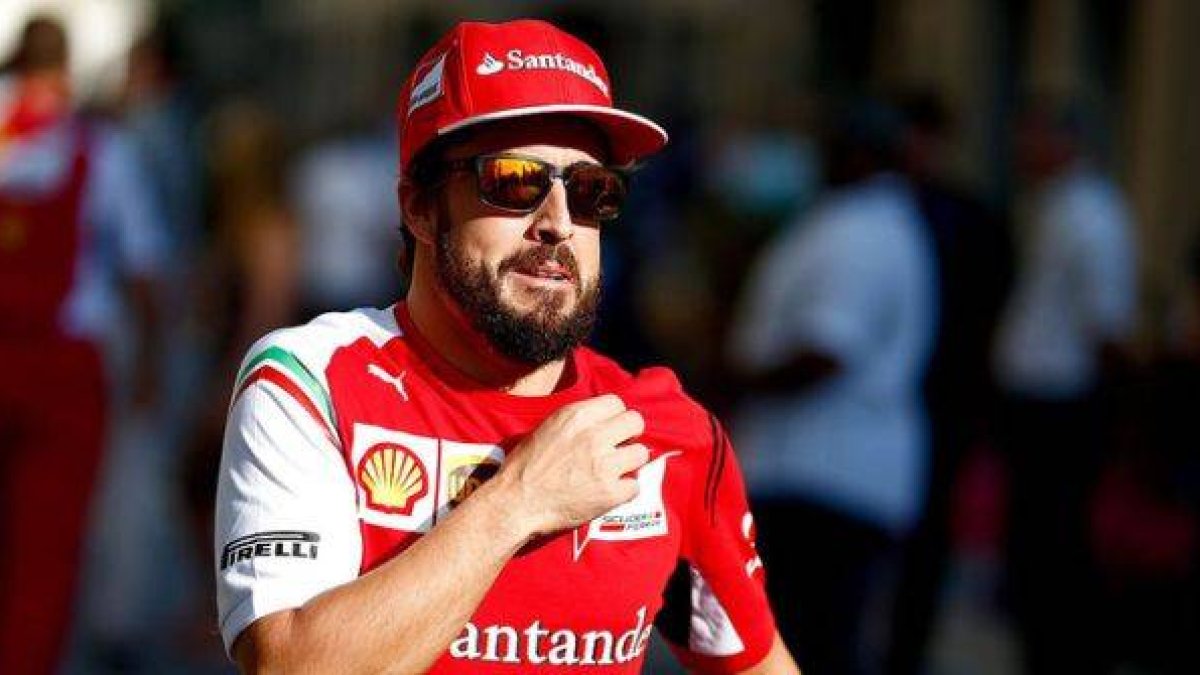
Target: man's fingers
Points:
x,y
587,412
624,426
630,458
627,489
601,407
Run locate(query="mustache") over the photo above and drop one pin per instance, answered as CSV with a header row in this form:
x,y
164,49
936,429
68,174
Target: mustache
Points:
x,y
532,257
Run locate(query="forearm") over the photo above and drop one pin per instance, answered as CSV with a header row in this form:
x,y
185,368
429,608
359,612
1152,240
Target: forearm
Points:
x,y
401,616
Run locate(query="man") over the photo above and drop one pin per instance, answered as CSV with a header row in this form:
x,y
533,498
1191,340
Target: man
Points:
x,y
970,246
79,242
832,340
1062,338
453,484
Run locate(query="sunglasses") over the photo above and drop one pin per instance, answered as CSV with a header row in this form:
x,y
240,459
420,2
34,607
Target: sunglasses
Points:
x,y
519,184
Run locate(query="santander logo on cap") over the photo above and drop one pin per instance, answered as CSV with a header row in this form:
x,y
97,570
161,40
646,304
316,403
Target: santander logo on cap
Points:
x,y
479,73
515,59
489,65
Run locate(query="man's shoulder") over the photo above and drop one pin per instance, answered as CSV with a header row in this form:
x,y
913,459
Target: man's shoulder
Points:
x,y
310,346
609,375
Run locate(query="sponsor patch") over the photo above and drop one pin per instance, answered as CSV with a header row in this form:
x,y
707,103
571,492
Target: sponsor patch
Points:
x,y
393,478
515,60
396,381
642,517
396,476
464,479
274,544
429,87
408,482
538,644
465,467
489,65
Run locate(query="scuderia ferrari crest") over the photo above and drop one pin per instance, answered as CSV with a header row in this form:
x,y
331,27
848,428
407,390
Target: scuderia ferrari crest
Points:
x,y
640,518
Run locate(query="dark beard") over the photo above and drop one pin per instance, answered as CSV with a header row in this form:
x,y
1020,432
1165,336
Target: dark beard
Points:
x,y
539,337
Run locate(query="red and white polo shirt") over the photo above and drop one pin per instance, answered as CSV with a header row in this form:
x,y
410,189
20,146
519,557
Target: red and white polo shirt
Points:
x,y
349,438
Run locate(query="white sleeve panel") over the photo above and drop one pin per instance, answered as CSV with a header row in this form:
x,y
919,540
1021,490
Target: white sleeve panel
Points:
x,y
711,632
286,517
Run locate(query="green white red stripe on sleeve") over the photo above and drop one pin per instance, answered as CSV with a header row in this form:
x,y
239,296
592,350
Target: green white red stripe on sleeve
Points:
x,y
281,368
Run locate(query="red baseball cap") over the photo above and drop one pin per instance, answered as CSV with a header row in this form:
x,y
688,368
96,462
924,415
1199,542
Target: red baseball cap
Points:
x,y
482,72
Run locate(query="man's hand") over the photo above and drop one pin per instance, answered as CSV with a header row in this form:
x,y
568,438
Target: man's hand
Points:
x,y
575,466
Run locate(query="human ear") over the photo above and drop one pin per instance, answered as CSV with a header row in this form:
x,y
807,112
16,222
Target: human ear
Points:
x,y
417,210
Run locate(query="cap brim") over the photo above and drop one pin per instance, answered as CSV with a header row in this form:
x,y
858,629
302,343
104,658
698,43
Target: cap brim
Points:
x,y
631,137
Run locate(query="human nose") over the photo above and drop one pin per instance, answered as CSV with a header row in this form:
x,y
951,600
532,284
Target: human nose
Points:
x,y
552,221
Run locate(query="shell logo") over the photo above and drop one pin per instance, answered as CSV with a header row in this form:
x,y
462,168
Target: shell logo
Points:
x,y
393,478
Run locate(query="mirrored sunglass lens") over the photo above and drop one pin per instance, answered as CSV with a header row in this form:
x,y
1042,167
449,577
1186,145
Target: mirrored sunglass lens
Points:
x,y
512,182
596,192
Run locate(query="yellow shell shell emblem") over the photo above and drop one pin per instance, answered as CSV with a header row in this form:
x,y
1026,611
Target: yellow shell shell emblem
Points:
x,y
393,478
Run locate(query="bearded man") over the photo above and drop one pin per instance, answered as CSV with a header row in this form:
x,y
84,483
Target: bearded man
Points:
x,y
454,484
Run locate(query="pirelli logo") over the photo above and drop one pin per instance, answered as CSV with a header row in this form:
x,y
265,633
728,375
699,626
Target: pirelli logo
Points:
x,y
278,544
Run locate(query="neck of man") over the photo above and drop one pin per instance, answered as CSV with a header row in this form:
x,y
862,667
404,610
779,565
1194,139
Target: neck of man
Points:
x,y
449,331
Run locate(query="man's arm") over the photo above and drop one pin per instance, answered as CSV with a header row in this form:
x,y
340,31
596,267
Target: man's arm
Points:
x,y
401,617
778,662
716,616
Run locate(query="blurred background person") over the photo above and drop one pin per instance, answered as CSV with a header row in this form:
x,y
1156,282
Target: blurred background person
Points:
x,y
127,594
254,258
80,251
1145,511
973,266
252,286
1063,338
343,192
833,339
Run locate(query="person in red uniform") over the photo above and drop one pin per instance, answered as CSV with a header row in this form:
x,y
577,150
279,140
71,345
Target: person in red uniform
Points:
x,y
65,189
454,484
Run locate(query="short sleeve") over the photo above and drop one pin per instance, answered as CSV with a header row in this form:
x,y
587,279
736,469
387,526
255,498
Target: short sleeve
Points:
x,y
716,616
286,518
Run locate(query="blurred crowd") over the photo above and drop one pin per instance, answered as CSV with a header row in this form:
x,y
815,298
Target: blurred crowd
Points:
x,y
961,457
